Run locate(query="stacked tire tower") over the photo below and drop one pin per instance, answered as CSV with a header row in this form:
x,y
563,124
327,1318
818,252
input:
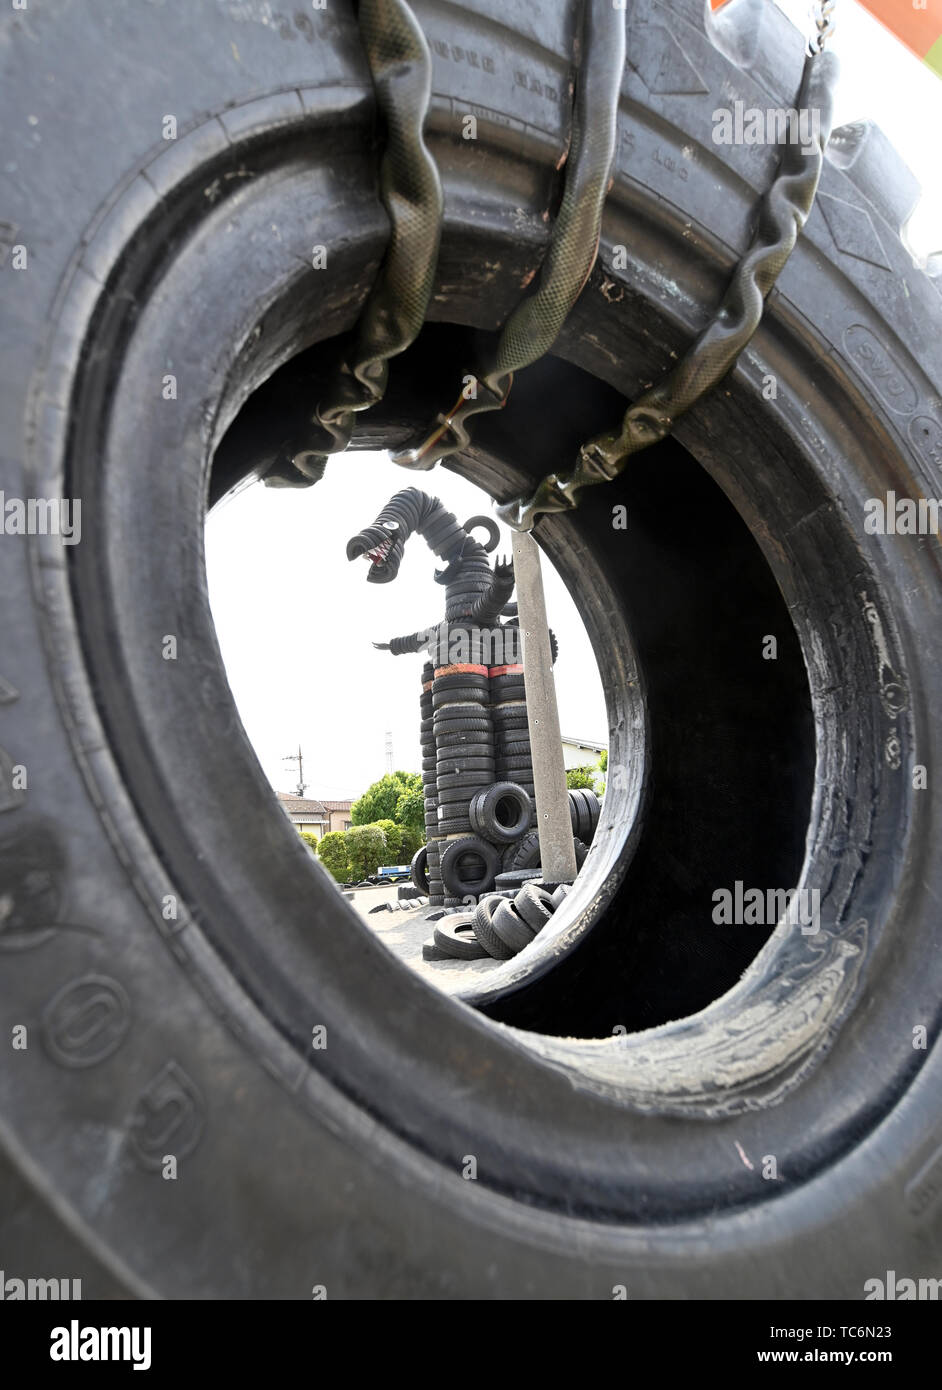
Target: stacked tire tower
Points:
x,y
457,736
514,758
464,741
511,729
463,728
477,769
426,863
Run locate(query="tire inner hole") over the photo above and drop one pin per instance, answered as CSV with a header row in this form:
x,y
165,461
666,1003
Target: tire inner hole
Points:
x,y
731,748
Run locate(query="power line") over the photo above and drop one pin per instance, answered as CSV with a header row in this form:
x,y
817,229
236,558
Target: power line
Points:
x,y
299,759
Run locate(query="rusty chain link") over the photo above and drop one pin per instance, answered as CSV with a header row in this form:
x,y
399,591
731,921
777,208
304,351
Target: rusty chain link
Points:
x,y
411,191
410,187
825,24
783,213
535,324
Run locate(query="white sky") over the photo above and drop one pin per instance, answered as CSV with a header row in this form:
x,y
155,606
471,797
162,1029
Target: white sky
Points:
x,y
295,619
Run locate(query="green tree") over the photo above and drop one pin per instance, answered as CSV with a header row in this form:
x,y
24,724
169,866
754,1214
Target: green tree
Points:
x,y
412,840
310,840
603,760
577,777
332,852
379,801
392,834
366,850
396,797
410,810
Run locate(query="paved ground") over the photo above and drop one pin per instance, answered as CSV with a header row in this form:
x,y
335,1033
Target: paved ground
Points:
x,y
404,932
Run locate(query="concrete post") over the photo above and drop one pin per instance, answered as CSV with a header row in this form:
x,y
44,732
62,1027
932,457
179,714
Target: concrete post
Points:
x,y
557,853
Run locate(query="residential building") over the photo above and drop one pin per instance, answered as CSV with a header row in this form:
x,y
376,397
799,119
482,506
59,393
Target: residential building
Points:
x,y
305,813
338,814
581,752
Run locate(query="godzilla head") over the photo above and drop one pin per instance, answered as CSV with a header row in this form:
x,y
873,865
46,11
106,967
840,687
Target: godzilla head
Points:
x,y
382,546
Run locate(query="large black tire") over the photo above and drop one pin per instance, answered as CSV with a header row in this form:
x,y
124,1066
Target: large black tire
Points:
x,y
190,981
456,938
419,870
484,931
477,762
461,729
500,812
535,906
462,700
510,927
469,866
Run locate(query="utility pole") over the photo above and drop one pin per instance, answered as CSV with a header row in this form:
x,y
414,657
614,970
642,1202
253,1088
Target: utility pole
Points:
x,y
389,751
298,758
557,852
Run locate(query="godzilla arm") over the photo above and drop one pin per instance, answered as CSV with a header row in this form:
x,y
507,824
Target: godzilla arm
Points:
x,y
415,642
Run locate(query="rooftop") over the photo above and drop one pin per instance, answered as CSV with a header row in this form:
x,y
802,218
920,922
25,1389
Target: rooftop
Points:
x,y
295,805
584,743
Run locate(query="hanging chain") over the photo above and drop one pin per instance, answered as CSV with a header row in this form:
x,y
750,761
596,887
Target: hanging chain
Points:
x,y
783,213
536,322
410,188
825,24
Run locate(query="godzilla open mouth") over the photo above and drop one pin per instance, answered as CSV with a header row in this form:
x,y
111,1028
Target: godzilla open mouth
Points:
x,y
379,550
377,556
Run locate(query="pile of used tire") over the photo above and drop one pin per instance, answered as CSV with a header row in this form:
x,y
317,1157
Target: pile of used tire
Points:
x,y
499,927
500,816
